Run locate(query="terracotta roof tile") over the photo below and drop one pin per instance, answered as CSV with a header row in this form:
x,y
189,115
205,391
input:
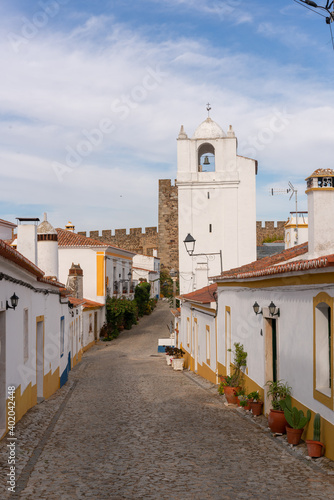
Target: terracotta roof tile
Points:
x,y
69,239
266,262
13,255
202,296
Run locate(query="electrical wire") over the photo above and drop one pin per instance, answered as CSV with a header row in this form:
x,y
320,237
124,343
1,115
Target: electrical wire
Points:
x,y
302,4
330,27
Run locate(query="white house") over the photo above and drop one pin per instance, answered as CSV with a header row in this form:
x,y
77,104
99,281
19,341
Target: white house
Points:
x,y
106,269
6,230
147,268
34,333
281,309
216,196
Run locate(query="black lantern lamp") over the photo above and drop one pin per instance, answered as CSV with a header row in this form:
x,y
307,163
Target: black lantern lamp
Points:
x,y
272,308
13,300
189,243
257,308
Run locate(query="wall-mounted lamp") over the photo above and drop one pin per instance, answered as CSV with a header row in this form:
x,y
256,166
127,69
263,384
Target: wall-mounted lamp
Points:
x,y
70,305
189,243
13,300
272,309
257,309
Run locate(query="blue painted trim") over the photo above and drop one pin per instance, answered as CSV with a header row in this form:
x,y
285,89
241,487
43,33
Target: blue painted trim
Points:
x,y
64,375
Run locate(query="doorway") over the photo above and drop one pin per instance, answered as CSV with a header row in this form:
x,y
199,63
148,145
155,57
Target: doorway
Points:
x,y
195,344
271,356
95,326
228,340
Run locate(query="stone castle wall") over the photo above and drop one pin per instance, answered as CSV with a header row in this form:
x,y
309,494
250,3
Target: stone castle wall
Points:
x,y
165,238
168,224
269,229
135,241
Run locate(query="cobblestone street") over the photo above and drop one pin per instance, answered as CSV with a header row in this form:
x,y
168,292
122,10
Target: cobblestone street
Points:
x,y
127,426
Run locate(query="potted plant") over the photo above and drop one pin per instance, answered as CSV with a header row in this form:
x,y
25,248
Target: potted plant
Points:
x,y
278,390
244,402
169,354
232,383
256,403
315,448
178,359
296,420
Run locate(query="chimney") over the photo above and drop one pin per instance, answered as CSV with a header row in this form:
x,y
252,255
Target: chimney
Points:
x,y
47,249
75,281
27,238
70,227
320,199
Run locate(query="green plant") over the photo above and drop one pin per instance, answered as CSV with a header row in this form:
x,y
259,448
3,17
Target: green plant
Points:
x,y
142,298
278,390
240,360
243,401
255,396
316,427
295,418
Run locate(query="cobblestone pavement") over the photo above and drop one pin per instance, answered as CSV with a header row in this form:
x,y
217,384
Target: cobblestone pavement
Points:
x,y
127,426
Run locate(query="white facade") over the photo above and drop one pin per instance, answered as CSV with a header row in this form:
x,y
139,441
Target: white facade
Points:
x,y
106,269
217,207
36,350
147,268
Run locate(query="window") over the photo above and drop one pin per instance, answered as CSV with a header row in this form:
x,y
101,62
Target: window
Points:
x,y
25,335
210,228
62,335
207,334
188,331
323,349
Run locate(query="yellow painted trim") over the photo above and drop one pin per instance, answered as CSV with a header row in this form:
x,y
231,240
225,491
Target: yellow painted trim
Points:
x,y
227,311
40,319
203,308
100,274
303,279
118,255
322,297
51,383
88,346
319,189
208,333
294,225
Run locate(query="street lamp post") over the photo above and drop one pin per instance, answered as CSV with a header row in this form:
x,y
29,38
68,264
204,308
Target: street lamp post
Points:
x,y
189,243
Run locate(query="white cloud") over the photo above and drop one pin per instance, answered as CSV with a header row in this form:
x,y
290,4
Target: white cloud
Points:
x,y
59,88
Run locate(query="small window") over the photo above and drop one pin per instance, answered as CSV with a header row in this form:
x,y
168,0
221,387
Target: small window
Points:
x,y
62,335
210,228
208,195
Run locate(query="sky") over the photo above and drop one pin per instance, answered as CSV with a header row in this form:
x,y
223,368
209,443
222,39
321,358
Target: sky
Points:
x,y
93,94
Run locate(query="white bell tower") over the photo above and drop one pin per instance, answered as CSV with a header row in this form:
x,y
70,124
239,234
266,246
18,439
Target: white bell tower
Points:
x,y
216,196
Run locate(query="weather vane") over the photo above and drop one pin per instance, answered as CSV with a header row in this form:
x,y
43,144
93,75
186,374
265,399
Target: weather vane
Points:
x,y
208,108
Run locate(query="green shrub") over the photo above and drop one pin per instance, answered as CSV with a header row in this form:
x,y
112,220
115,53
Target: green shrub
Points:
x,y
142,298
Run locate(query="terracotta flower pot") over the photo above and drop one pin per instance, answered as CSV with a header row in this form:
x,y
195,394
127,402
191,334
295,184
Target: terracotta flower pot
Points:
x,y
315,449
229,392
256,407
293,435
277,422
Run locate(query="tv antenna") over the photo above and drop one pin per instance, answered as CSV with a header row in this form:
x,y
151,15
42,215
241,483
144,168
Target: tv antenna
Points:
x,y
291,189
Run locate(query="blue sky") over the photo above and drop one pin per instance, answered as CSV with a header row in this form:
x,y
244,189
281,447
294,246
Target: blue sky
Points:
x,y
123,76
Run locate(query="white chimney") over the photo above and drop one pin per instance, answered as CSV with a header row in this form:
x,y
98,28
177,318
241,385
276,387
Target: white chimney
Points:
x,y
320,199
47,245
27,238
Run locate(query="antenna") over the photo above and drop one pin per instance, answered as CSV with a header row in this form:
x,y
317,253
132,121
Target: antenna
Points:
x,y
291,189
